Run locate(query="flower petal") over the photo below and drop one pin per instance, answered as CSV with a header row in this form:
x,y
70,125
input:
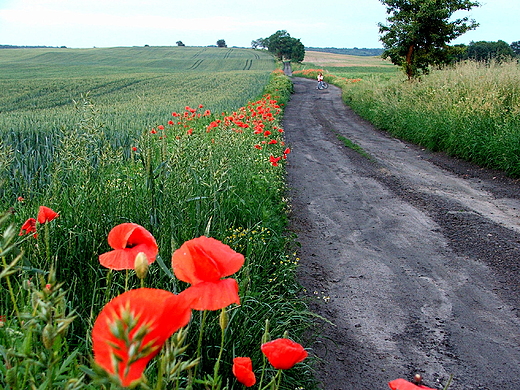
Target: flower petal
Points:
x,y
243,371
46,214
128,239
401,384
156,313
283,353
212,295
205,259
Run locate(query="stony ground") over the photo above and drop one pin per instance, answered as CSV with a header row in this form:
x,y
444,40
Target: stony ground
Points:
x,y
411,257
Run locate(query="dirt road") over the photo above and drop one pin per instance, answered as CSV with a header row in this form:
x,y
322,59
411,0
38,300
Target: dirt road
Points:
x,y
412,256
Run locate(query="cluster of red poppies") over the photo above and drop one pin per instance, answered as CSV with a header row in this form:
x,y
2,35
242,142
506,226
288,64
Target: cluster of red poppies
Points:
x,y
258,116
132,328
45,215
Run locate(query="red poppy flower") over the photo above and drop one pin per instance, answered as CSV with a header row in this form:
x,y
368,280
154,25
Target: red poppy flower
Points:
x,y
127,240
274,160
202,262
132,328
45,214
401,384
243,371
283,353
29,227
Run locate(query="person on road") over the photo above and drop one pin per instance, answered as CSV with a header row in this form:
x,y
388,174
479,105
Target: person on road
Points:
x,y
320,80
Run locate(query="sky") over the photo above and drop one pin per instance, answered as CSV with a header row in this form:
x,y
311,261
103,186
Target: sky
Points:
x,y
324,23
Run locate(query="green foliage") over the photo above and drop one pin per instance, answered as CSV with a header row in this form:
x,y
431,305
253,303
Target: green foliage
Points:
x,y
487,51
515,46
418,32
285,47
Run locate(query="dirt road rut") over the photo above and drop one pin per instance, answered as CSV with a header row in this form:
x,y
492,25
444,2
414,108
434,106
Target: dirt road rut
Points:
x,y
412,256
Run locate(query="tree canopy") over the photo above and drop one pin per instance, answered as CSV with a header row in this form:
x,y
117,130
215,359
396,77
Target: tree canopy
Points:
x,y
221,43
418,32
485,51
283,46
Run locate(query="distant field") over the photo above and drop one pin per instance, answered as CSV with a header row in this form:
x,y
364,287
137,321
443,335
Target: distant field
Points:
x,y
348,65
343,60
132,88
22,63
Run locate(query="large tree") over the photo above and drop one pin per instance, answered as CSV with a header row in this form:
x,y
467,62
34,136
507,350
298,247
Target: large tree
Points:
x,y
285,47
418,32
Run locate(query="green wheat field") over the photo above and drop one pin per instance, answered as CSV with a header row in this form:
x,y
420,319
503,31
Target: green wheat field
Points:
x,y
184,141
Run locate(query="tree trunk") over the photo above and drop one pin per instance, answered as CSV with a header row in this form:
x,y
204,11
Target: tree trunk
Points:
x,y
409,55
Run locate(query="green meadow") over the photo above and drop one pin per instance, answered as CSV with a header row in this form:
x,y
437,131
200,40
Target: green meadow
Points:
x,y
183,141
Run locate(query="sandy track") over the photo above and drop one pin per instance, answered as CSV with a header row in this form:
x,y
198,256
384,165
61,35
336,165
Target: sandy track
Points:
x,y
414,257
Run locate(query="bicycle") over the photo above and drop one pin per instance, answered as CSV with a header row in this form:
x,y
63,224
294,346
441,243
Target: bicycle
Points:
x,y
322,85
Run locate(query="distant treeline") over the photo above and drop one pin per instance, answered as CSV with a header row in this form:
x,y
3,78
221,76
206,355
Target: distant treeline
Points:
x,y
29,47
354,51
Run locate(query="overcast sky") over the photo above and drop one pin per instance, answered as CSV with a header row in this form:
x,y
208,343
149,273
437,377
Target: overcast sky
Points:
x,y
325,23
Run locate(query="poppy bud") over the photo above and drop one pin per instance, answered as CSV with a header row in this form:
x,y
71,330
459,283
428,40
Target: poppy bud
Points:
x,y
48,335
223,319
141,265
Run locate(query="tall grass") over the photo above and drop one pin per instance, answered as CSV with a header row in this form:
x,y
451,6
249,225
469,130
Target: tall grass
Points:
x,y
178,176
471,111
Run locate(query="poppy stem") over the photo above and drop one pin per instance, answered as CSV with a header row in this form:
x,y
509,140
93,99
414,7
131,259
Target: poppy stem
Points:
x,y
126,280
109,285
279,375
274,383
203,315
217,364
47,244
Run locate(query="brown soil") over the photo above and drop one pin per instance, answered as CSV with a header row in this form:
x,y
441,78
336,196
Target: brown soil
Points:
x,y
412,257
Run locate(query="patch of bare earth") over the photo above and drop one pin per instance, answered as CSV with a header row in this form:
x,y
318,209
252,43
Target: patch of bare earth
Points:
x,y
412,257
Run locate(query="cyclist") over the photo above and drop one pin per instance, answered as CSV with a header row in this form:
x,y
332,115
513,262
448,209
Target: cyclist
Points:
x,y
320,79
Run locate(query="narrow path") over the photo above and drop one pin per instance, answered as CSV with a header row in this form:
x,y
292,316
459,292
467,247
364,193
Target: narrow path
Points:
x,y
413,257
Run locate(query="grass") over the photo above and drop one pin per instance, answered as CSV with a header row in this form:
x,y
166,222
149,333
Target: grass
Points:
x,y
355,147
106,149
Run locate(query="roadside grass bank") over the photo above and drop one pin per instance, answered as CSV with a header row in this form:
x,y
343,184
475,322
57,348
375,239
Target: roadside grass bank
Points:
x,y
197,171
470,111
